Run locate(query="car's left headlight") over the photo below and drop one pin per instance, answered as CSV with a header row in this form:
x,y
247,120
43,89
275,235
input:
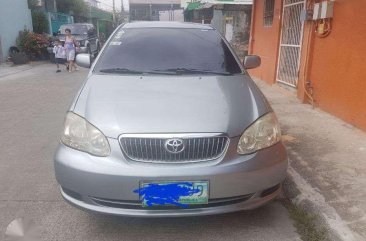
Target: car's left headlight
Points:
x,y
264,132
83,136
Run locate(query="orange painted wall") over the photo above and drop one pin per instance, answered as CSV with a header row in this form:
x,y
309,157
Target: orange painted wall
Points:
x,y
264,41
338,64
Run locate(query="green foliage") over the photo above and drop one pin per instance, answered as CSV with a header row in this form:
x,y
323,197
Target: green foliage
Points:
x,y
40,22
22,38
307,224
77,7
32,43
32,4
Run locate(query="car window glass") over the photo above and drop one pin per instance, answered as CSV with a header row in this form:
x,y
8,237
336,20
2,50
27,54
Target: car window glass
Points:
x,y
159,49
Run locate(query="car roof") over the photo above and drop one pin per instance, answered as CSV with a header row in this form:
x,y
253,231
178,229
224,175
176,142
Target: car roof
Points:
x,y
162,24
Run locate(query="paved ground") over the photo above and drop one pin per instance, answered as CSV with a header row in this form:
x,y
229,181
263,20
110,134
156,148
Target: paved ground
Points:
x,y
328,163
33,103
9,68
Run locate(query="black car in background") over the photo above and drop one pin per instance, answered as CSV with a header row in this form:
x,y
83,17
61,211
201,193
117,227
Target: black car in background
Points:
x,y
84,33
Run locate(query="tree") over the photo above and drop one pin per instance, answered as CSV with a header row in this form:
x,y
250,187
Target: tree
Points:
x,y
32,4
40,22
77,7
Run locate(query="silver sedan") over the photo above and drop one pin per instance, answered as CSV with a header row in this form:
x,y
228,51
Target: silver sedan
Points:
x,y
169,123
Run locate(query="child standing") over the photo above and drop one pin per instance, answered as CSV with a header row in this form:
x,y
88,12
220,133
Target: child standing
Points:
x,y
60,55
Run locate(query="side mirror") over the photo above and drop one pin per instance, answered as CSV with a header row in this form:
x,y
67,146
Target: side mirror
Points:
x,y
251,61
83,60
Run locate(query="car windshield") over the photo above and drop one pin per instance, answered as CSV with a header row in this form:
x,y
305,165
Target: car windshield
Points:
x,y
167,51
75,29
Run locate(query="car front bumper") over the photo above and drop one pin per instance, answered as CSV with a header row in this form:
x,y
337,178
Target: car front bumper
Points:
x,y
106,184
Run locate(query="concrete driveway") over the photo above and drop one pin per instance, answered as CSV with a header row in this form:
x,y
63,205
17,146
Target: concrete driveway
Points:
x,y
33,105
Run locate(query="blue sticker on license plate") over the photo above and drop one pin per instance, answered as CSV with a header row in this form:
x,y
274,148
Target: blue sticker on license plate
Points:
x,y
180,194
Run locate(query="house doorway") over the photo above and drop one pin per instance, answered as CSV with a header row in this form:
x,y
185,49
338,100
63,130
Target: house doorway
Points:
x,y
292,28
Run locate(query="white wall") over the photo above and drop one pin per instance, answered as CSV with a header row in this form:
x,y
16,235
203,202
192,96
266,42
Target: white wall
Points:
x,y
14,16
184,3
176,15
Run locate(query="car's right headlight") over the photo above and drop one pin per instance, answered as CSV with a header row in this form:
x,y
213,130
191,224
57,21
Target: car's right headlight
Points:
x,y
83,136
264,132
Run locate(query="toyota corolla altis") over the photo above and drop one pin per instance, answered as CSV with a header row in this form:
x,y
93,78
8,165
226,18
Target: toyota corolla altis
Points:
x,y
169,123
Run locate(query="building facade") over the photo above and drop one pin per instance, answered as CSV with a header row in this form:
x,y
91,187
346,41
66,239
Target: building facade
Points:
x,y
15,17
230,17
316,49
142,10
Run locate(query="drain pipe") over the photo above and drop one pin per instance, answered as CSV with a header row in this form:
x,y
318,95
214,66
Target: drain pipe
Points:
x,y
251,39
308,89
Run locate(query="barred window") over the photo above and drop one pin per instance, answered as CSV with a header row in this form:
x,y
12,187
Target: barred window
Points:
x,y
268,13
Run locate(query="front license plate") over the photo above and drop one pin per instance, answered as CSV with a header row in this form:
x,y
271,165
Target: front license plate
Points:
x,y
179,193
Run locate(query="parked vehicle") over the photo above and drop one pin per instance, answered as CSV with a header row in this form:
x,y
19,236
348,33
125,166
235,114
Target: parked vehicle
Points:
x,y
85,34
169,123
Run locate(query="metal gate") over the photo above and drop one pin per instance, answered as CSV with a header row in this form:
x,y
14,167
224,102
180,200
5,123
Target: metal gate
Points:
x,y
290,44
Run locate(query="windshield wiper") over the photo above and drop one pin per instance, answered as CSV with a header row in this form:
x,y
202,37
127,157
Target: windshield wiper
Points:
x,y
196,71
130,71
176,71
159,71
121,71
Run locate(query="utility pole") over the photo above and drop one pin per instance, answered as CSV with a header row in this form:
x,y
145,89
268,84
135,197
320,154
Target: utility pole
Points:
x,y
90,13
150,12
122,13
114,14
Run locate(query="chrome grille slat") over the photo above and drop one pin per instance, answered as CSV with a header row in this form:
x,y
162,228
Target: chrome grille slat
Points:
x,y
150,148
161,153
156,149
189,149
203,148
194,146
217,147
208,147
142,153
136,151
198,149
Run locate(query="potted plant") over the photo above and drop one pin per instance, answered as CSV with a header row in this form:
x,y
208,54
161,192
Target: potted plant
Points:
x,y
33,44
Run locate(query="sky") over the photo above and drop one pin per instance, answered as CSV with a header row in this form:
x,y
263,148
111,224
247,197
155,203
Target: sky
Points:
x,y
109,4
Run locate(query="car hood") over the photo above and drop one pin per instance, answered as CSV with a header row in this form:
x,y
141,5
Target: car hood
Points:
x,y
170,104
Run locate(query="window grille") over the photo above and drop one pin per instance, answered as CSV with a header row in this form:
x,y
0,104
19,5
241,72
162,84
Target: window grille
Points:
x,y
268,13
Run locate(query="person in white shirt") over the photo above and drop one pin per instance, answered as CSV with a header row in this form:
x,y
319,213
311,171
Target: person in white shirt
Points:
x,y
60,55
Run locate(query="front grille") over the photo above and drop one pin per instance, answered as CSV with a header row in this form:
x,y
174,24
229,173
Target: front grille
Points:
x,y
137,204
151,148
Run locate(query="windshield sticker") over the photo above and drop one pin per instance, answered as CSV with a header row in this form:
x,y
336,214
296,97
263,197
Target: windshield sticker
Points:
x,y
166,194
115,43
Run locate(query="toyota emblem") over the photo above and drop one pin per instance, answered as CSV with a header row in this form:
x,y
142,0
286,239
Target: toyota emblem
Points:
x,y
174,145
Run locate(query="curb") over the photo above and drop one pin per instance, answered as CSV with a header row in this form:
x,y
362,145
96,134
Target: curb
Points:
x,y
304,196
